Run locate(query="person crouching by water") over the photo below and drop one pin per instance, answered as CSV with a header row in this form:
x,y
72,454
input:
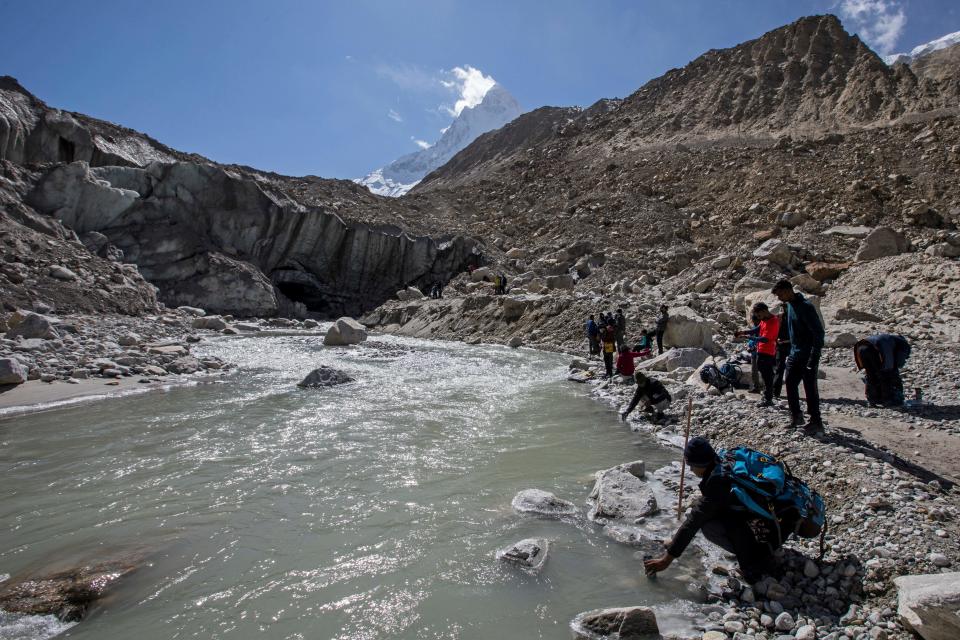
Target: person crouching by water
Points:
x,y
652,394
714,516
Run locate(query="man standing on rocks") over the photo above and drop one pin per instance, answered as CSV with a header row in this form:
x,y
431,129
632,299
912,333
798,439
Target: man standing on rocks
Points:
x,y
765,335
714,516
609,338
593,336
662,321
620,324
806,343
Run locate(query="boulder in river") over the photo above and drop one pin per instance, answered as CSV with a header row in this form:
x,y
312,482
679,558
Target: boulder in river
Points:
x,y
622,623
529,553
928,604
324,377
620,494
345,331
543,503
66,594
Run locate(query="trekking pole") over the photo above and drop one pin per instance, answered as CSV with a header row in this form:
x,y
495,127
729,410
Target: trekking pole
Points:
x,y
683,460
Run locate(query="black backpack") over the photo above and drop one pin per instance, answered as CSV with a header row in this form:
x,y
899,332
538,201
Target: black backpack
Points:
x,y
722,377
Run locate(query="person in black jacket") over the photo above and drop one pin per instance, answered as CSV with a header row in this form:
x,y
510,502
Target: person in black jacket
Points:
x,y
661,326
806,343
881,357
652,393
714,516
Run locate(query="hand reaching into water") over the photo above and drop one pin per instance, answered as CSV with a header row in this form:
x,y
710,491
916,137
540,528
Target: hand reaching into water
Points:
x,y
656,565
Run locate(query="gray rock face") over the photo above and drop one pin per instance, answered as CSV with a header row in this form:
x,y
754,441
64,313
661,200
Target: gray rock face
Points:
x,y
620,495
12,372
929,604
31,325
542,502
212,238
324,377
345,331
774,251
881,242
622,623
675,358
687,328
214,323
529,553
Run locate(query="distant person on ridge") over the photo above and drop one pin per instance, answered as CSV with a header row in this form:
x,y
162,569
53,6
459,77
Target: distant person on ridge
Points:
x,y
806,343
593,336
881,357
661,327
765,337
652,394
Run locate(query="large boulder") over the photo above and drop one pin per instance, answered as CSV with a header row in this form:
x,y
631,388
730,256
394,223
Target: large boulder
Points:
x,y
881,242
622,623
542,503
214,323
929,604
345,331
673,359
687,328
30,325
821,271
12,372
745,286
410,293
529,553
774,251
324,377
620,494
481,274
560,282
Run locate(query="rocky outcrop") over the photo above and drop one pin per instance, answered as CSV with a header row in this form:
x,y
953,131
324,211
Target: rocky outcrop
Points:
x,y
211,237
880,243
622,623
542,503
529,553
687,328
12,372
621,494
324,377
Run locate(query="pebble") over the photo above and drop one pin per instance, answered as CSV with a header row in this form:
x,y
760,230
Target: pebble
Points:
x,y
784,622
806,632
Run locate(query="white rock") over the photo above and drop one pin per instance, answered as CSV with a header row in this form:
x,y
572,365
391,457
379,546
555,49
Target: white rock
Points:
x,y
345,331
928,604
542,502
12,372
62,273
774,251
881,242
806,632
784,622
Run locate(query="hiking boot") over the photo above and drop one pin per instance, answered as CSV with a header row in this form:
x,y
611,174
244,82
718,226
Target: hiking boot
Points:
x,y
795,422
764,403
813,427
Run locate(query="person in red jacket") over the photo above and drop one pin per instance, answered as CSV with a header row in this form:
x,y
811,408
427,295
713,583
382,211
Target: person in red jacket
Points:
x,y
625,366
765,336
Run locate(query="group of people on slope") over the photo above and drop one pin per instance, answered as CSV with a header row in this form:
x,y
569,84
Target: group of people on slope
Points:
x,y
607,336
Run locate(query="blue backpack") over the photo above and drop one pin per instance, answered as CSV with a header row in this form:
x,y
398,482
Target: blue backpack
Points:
x,y
765,487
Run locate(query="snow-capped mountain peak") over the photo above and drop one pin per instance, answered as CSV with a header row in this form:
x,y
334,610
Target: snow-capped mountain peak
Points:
x,y
948,40
496,109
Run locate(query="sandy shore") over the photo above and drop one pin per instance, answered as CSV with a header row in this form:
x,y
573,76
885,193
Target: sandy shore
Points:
x,y
35,395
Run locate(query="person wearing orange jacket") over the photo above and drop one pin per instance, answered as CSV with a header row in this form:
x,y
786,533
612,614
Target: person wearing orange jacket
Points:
x,y
765,335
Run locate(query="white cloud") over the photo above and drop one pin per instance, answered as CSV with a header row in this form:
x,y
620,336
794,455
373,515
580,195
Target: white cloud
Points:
x,y
423,144
470,84
879,23
393,115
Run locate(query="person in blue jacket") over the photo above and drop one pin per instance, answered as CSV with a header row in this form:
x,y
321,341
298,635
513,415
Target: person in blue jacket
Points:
x,y
806,343
593,336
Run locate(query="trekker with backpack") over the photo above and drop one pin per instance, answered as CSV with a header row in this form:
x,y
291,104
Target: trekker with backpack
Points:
x,y
593,336
750,505
661,326
764,336
806,343
881,356
652,394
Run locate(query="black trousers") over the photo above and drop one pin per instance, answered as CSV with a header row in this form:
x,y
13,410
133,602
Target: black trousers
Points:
x,y
734,535
594,345
608,363
779,372
659,341
765,367
883,386
798,372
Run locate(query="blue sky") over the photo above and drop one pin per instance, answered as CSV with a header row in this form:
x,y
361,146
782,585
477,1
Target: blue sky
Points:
x,y
338,88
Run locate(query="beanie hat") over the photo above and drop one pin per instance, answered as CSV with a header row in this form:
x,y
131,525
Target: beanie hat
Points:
x,y
699,453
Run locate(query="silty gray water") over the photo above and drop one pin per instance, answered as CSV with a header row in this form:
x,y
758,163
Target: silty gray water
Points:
x,y
369,510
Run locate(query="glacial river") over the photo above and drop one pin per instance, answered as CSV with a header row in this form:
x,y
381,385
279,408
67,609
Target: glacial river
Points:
x,y
369,510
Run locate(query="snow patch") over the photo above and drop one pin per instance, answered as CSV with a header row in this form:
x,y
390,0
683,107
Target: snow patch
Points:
x,y
948,40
